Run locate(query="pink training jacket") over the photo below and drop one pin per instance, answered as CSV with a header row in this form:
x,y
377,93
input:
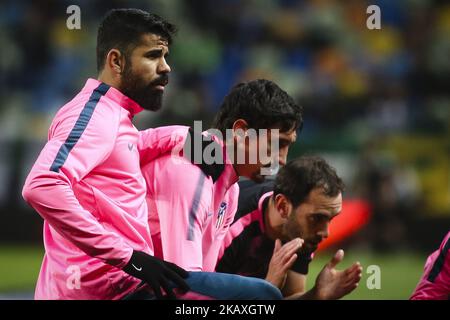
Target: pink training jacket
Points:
x,y
190,207
435,282
88,187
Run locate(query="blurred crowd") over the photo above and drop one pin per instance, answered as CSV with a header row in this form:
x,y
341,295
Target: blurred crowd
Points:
x,y
377,102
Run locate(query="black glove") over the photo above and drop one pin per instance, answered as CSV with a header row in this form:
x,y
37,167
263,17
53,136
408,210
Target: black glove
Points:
x,y
157,273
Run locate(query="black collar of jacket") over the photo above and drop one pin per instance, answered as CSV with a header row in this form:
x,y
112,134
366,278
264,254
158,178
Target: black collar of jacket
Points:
x,y
214,170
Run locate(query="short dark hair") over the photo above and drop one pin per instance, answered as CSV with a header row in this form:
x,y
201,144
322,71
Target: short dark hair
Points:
x,y
300,176
261,103
123,28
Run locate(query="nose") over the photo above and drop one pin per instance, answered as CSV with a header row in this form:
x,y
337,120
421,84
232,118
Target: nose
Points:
x,y
163,66
324,232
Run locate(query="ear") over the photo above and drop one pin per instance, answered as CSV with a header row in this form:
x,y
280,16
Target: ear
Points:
x,y
283,206
115,61
240,127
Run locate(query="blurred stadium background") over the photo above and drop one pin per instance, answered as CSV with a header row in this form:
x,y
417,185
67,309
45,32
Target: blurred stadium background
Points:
x,y
377,106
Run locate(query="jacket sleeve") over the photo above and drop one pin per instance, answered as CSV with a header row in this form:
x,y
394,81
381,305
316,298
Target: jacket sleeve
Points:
x,y
77,144
155,142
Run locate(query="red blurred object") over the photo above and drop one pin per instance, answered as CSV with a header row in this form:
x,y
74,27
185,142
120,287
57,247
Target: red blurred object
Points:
x,y
354,215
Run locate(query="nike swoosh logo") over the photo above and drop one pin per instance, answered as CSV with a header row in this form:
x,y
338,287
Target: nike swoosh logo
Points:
x,y
130,146
138,269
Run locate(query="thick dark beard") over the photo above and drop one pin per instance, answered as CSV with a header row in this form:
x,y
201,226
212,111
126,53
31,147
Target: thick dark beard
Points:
x,y
143,94
292,230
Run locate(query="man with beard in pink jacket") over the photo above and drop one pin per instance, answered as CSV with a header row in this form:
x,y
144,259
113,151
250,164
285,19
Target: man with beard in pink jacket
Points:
x,y
87,183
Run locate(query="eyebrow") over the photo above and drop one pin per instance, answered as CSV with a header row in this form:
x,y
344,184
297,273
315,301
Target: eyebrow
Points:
x,y
322,214
156,51
326,215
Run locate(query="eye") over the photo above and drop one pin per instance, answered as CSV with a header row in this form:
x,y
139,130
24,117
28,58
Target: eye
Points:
x,y
319,218
154,54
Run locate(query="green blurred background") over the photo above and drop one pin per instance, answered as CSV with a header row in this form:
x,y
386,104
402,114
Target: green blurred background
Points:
x,y
376,102
19,267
